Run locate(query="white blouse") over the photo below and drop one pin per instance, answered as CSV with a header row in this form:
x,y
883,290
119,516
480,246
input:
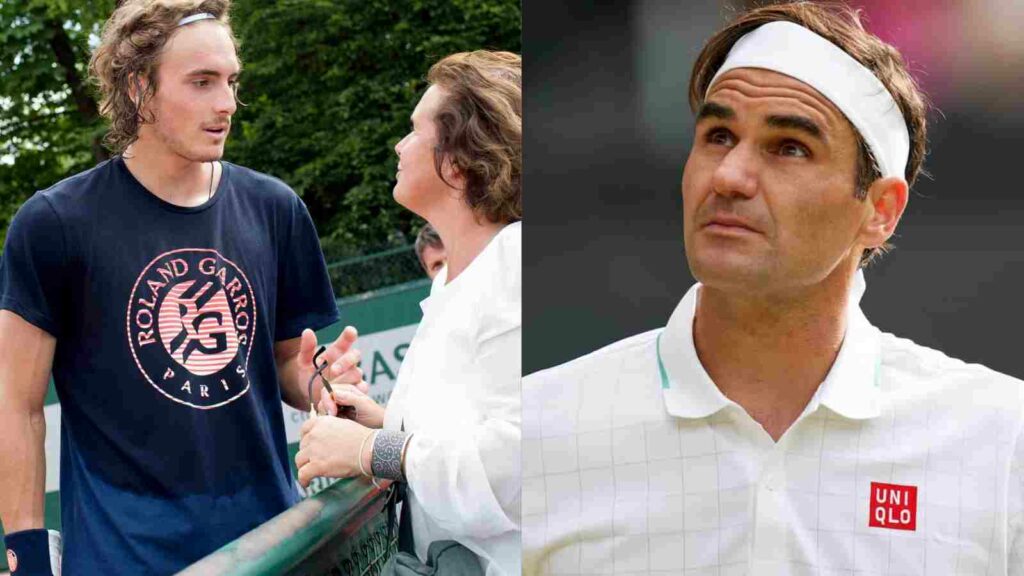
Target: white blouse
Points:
x,y
458,392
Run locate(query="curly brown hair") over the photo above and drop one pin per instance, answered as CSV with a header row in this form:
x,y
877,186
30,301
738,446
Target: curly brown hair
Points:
x,y
129,52
480,129
841,25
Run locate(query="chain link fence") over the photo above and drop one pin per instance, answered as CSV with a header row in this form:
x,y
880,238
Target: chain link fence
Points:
x,y
359,274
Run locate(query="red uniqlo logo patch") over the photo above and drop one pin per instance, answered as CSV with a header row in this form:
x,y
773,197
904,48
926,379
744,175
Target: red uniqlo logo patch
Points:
x,y
893,506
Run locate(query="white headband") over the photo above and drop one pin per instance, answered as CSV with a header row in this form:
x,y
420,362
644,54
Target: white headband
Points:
x,y
196,18
795,51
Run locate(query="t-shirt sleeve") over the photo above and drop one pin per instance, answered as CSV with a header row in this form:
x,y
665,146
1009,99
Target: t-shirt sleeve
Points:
x,y
33,266
304,295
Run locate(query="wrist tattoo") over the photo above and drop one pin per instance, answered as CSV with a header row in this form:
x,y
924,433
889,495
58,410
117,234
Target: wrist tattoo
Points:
x,y
386,459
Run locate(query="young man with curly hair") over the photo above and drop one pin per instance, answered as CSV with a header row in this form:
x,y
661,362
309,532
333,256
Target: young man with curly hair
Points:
x,y
172,296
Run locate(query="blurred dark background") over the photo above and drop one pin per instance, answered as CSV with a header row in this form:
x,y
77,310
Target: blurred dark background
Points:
x,y
608,131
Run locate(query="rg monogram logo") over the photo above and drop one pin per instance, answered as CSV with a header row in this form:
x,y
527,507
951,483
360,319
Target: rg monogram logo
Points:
x,y
197,328
893,506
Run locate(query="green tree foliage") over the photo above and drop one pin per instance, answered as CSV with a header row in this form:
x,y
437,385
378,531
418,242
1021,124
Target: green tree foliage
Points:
x,y
329,87
49,124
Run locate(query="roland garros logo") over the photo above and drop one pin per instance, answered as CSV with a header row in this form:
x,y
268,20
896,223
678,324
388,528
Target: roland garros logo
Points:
x,y
190,327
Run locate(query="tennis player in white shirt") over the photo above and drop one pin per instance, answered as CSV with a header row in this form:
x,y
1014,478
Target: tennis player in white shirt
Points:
x,y
770,428
451,429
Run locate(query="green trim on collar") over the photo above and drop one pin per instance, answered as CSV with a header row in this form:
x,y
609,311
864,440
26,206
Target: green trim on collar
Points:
x,y
661,366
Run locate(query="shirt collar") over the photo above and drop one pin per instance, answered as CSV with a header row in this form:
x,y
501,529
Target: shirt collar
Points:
x,y
437,287
688,389
850,389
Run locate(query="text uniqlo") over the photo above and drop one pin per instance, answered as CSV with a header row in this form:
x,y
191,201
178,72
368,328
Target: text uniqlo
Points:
x,y
893,506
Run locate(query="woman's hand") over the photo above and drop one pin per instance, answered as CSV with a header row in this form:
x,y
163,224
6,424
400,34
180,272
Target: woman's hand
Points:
x,y
367,412
331,447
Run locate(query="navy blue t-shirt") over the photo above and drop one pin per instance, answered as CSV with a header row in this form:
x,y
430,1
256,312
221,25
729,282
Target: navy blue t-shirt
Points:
x,y
172,435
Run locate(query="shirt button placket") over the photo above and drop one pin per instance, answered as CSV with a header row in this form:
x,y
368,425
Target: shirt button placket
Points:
x,y
769,534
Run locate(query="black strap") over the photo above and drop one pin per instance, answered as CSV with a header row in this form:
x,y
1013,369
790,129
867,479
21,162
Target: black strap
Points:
x,y
398,494
392,501
405,541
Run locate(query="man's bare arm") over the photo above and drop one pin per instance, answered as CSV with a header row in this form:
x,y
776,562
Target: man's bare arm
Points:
x,y
292,391
26,359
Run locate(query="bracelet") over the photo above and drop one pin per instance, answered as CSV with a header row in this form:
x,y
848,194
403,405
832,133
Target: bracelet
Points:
x,y
386,458
362,470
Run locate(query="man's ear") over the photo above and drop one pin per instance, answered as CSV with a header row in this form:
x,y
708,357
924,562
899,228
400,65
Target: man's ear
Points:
x,y
133,89
886,199
137,86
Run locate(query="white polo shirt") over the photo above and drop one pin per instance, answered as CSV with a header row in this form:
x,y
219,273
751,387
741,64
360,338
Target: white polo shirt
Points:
x,y
905,462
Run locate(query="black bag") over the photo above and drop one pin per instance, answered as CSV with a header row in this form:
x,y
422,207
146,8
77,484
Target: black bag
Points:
x,y
444,557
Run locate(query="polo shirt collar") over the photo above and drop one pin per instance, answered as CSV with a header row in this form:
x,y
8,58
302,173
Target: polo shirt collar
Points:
x,y
688,389
850,389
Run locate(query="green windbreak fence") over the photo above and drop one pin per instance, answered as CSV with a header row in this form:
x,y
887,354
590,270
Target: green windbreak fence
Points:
x,y
386,319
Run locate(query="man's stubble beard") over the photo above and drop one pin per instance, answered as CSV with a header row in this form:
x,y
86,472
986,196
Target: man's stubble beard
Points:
x,y
180,147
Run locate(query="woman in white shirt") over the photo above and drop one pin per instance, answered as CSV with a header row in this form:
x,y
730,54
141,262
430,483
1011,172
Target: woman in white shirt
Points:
x,y
451,429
